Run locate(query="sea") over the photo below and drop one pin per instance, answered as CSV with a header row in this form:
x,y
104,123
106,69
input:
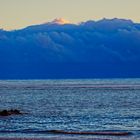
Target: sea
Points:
x,y
71,105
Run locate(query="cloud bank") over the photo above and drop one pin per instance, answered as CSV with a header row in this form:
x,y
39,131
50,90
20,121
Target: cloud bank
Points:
x,y
105,48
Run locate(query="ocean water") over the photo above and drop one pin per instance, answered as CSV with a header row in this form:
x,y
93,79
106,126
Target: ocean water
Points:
x,y
70,105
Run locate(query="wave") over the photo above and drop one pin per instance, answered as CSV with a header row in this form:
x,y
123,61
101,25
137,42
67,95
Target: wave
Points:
x,y
57,86
108,133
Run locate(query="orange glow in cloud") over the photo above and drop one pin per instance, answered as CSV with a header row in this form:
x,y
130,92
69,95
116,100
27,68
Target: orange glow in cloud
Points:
x,y
60,21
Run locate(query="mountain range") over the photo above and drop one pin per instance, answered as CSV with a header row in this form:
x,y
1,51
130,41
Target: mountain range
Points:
x,y
108,48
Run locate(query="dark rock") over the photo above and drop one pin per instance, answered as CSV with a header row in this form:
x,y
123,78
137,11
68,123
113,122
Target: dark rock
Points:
x,y
17,112
10,112
4,113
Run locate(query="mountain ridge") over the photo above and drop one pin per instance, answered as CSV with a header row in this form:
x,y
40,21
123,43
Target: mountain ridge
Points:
x,y
105,48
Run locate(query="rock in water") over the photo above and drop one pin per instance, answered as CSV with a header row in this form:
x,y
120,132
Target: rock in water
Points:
x,y
10,112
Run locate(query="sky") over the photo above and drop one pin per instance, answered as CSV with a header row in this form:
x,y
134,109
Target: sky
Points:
x,y
15,14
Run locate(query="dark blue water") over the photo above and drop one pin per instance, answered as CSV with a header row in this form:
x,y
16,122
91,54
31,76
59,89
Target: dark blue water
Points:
x,y
70,105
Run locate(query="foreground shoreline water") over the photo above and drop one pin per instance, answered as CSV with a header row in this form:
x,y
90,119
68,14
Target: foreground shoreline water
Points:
x,y
62,138
71,135
59,138
67,138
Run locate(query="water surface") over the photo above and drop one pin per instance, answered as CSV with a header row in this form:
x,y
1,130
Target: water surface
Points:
x,y
70,105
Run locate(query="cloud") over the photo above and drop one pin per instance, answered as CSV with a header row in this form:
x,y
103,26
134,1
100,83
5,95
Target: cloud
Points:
x,y
60,21
106,43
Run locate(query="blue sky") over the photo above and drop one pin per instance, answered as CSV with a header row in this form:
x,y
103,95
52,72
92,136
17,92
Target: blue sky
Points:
x,y
20,13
